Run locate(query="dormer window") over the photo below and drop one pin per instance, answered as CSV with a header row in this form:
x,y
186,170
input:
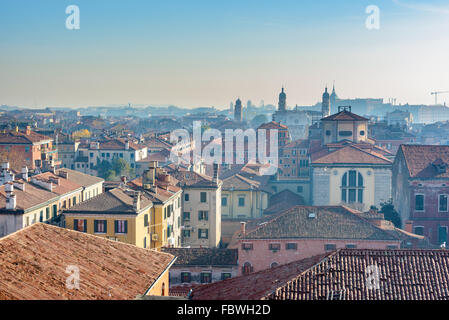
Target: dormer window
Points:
x,y
440,166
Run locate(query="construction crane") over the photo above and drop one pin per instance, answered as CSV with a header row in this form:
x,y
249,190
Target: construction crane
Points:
x,y
436,93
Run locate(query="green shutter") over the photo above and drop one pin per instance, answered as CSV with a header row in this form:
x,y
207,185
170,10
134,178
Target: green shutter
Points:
x,y
95,225
85,225
75,224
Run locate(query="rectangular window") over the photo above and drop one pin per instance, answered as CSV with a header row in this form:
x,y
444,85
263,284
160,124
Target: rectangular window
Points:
x,y
225,275
392,246
274,246
351,246
247,246
203,215
419,230
206,277
291,246
186,233
186,197
203,197
41,216
419,202
442,203
203,233
80,225
145,220
186,277
299,189
330,247
121,226
100,226
186,216
442,235
241,201
224,201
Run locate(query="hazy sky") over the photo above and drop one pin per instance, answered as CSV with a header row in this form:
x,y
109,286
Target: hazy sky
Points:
x,y
207,53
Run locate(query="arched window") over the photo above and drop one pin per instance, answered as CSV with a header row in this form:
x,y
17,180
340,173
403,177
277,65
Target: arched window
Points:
x,y
352,187
247,268
163,289
274,265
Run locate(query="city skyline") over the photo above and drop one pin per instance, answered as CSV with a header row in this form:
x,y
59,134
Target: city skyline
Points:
x,y
200,54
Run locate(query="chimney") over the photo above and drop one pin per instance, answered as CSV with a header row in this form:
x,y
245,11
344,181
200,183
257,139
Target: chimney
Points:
x,y
126,145
63,174
408,226
216,173
136,202
148,178
25,173
123,179
243,229
11,200
28,130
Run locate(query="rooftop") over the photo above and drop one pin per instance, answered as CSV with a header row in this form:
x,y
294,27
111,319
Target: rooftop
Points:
x,y
203,256
298,223
34,261
117,201
403,275
255,285
422,160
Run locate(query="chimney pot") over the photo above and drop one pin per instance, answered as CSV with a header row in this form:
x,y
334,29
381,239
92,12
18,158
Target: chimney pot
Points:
x,y
243,228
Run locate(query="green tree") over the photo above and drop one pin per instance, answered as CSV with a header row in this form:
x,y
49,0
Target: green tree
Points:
x,y
103,169
120,166
390,214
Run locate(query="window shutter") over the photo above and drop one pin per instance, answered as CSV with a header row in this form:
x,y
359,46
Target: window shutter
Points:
x,y
75,224
105,226
85,225
126,226
95,225
115,226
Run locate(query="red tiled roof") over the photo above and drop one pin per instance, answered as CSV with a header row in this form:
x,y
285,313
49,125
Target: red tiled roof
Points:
x,y
273,125
348,154
20,137
421,160
403,275
34,261
344,116
253,286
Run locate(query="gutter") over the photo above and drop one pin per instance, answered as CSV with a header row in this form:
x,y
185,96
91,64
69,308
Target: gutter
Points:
x,y
157,279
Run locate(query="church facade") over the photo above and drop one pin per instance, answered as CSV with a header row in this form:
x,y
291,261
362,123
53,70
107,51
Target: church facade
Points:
x,y
347,168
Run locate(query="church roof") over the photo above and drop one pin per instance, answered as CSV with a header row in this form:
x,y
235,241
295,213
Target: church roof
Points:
x,y
344,116
350,154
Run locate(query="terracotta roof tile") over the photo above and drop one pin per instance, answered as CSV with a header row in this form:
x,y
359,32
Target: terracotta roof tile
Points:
x,y
203,256
253,286
422,160
344,116
349,154
34,261
403,275
297,222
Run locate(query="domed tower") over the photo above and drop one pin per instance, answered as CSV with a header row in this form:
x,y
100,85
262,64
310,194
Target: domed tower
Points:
x,y
238,110
326,104
282,101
